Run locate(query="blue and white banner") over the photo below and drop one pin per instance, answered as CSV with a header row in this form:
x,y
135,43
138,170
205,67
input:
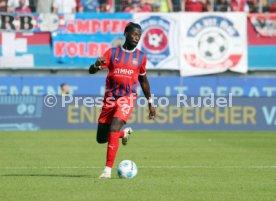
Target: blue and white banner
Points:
x,y
159,39
76,49
86,37
213,43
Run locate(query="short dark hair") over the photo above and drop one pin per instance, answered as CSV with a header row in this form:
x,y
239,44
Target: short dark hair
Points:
x,y
130,26
62,85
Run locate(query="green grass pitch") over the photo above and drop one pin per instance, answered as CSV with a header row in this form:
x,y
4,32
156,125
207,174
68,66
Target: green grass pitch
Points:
x,y
176,166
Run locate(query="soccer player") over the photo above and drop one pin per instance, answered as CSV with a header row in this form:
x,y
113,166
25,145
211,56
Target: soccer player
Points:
x,y
127,66
64,89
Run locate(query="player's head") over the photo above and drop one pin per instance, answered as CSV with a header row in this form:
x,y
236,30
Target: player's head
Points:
x,y
132,33
64,88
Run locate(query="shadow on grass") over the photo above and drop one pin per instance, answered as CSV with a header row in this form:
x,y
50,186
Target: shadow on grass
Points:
x,y
47,175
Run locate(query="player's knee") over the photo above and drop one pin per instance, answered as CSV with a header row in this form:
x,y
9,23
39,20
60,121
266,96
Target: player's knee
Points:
x,y
116,125
101,140
102,133
115,128
102,137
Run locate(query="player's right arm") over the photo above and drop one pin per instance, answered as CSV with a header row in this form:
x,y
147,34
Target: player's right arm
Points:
x,y
101,63
94,68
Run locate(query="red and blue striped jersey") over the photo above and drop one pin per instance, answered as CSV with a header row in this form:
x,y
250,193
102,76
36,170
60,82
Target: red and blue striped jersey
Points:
x,y
124,68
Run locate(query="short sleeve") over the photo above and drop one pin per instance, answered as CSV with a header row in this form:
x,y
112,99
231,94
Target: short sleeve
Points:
x,y
143,66
107,56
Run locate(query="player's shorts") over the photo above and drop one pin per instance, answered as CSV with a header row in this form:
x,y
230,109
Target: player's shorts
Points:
x,y
120,108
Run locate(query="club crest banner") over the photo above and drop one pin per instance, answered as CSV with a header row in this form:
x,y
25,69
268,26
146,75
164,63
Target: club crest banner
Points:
x,y
213,43
159,39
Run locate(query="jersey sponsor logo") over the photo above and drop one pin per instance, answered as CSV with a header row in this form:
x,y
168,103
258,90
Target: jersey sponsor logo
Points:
x,y
123,71
213,42
155,39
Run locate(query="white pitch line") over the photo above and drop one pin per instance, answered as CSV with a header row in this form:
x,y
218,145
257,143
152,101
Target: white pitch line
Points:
x,y
145,167
49,167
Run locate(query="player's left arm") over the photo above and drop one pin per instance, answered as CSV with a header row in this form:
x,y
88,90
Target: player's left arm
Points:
x,y
146,89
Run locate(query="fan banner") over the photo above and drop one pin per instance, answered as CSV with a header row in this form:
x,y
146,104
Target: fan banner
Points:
x,y
264,24
88,36
33,22
213,43
79,23
159,39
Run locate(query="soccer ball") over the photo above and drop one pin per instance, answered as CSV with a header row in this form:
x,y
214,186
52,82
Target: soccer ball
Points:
x,y
212,46
127,169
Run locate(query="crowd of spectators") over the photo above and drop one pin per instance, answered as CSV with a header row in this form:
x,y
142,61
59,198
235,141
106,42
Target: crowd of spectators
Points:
x,y
56,6
131,6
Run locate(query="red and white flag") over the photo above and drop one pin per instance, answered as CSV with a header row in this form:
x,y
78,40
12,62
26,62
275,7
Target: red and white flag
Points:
x,y
213,43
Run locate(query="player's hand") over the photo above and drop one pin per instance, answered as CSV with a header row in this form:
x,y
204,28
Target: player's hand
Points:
x,y
152,113
101,61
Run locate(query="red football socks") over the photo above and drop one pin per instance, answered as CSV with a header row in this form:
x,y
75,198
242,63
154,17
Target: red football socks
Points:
x,y
122,134
112,147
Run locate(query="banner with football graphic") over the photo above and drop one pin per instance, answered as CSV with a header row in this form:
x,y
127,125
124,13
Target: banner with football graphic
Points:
x,y
159,39
213,43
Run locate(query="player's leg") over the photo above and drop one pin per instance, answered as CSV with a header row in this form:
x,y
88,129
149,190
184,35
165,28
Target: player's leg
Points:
x,y
127,132
113,145
105,120
124,111
103,132
121,116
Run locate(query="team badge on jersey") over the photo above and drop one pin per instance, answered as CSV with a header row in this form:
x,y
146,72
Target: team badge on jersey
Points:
x,y
135,61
